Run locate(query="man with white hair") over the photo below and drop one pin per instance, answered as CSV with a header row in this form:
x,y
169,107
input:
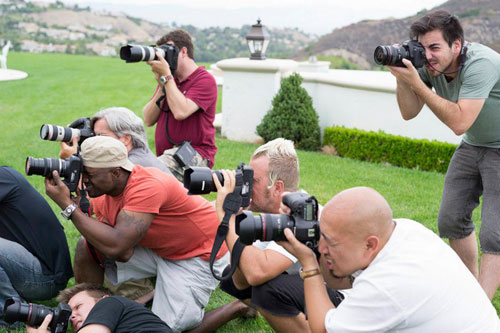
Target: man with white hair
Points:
x,y
122,124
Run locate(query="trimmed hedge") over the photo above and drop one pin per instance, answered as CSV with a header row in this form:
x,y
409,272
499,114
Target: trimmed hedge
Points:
x,y
385,148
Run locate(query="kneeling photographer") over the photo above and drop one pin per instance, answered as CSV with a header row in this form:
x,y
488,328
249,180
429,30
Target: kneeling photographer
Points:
x,y
267,275
124,125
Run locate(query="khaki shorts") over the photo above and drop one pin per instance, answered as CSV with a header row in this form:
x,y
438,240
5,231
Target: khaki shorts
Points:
x,y
130,289
183,287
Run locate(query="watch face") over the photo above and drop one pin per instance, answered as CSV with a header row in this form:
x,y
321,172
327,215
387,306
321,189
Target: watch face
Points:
x,y
66,213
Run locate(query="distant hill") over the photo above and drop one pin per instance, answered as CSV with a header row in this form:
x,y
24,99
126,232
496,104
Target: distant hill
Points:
x,y
56,27
356,42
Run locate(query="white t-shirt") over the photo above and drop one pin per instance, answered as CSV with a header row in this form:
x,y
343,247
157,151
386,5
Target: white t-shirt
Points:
x,y
272,245
417,283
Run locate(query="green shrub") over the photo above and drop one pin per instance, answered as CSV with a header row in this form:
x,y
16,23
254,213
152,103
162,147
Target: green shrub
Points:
x,y
292,116
384,148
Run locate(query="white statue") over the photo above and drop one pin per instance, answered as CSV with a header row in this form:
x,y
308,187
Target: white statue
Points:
x,y
3,56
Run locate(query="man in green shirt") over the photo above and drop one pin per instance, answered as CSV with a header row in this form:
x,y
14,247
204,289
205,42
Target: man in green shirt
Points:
x,y
466,80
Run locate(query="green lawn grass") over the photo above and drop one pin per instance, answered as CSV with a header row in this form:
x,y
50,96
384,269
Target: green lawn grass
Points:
x,y
61,88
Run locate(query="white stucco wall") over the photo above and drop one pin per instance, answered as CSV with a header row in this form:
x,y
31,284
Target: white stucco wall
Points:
x,y
366,100
355,99
248,89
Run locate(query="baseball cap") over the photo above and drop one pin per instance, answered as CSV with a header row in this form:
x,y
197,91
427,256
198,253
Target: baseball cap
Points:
x,y
105,152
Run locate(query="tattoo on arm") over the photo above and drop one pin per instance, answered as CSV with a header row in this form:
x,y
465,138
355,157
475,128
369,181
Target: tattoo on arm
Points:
x,y
139,224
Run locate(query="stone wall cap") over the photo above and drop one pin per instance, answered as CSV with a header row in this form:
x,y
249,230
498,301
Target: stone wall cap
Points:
x,y
247,65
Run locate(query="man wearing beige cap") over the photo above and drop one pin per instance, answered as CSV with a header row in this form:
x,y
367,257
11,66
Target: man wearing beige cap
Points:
x,y
149,226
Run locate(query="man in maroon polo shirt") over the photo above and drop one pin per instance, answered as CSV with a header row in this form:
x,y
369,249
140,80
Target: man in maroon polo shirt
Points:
x,y
186,108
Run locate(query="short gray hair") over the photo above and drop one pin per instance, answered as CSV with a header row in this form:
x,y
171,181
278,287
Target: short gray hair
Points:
x,y
283,162
123,121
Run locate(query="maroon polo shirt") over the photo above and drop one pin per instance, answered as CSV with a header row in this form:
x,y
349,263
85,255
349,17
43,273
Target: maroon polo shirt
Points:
x,y
201,88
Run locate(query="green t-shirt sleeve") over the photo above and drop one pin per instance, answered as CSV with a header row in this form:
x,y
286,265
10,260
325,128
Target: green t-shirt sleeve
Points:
x,y
424,76
479,79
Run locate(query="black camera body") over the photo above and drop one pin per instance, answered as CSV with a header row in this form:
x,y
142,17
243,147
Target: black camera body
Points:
x,y
185,154
136,53
34,314
79,128
198,180
393,55
69,169
303,221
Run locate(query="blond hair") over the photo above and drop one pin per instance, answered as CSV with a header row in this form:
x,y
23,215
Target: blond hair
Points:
x,y
283,162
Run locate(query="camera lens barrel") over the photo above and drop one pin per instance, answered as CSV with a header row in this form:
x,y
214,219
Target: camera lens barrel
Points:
x,y
136,53
198,180
58,133
382,55
32,314
389,55
265,227
45,166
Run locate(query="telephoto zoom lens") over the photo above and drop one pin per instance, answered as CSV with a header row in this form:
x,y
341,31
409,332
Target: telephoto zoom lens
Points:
x,y
44,166
265,227
136,53
58,133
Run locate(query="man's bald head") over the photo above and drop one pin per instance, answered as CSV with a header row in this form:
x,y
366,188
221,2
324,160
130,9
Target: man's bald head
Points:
x,y
360,212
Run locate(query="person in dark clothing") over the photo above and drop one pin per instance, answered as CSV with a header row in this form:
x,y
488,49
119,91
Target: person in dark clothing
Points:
x,y
95,310
34,258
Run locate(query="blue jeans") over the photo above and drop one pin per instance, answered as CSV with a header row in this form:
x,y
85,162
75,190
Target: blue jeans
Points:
x,y
21,275
473,172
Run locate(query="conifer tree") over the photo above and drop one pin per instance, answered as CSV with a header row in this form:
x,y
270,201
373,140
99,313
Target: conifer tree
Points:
x,y
292,116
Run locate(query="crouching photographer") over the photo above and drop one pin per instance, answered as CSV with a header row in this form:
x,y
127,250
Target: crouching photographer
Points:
x,y
406,277
124,125
267,276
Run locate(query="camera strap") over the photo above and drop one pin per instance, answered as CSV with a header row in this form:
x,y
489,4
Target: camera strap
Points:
x,y
231,205
163,99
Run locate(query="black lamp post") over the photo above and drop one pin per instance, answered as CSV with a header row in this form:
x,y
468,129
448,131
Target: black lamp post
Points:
x,y
258,39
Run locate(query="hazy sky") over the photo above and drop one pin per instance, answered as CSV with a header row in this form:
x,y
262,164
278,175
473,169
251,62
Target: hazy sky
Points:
x,y
312,16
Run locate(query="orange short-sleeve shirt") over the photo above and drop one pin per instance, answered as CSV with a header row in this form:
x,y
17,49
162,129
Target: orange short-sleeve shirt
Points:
x,y
184,226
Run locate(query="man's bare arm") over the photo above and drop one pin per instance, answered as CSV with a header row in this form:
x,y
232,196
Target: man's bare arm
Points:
x,y
151,111
114,242
459,116
410,104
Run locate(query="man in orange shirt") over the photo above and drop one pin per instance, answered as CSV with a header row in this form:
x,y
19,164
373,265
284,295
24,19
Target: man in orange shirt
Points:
x,y
149,226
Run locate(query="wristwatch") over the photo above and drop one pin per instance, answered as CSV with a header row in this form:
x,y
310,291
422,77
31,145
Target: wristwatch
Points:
x,y
164,79
66,212
306,274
